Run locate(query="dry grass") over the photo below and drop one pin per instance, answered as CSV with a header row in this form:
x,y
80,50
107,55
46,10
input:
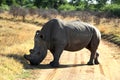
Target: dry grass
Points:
x,y
16,38
109,29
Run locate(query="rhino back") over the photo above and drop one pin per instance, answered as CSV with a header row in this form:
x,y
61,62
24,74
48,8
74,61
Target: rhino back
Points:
x,y
79,35
74,35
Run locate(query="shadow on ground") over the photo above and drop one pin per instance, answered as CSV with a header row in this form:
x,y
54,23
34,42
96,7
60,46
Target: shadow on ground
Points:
x,y
26,64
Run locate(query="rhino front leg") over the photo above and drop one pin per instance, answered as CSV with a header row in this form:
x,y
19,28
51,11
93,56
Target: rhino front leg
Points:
x,y
57,51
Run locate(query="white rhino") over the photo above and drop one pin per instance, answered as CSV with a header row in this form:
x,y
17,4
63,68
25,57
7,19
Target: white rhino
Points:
x,y
57,36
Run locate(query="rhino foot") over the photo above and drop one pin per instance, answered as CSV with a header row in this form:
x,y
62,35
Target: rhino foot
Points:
x,y
96,62
90,63
54,64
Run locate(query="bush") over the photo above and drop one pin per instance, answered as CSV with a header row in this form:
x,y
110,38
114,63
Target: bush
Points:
x,y
30,6
67,7
93,7
113,8
82,7
4,7
18,11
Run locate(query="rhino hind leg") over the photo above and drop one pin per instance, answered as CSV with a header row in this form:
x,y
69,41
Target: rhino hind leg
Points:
x,y
92,56
93,59
96,58
92,47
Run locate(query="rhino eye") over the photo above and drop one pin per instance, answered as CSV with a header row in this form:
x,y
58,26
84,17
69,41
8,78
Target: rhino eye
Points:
x,y
41,36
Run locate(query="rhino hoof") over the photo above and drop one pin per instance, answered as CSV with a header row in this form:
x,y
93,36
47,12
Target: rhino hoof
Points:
x,y
96,62
34,64
90,63
54,64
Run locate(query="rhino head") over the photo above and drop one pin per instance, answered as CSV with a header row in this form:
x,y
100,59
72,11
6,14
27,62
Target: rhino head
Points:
x,y
39,52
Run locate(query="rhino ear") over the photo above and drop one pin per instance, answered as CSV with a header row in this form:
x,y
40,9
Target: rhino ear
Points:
x,y
38,32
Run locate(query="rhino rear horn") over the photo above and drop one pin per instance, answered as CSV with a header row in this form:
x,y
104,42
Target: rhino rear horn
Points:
x,y
31,51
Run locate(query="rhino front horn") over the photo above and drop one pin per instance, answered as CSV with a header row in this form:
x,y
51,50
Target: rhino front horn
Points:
x,y
27,57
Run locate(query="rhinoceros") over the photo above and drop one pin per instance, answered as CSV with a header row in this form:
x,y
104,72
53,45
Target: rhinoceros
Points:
x,y
57,36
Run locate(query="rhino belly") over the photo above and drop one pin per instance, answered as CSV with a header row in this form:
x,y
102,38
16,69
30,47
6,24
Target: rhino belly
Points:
x,y
76,43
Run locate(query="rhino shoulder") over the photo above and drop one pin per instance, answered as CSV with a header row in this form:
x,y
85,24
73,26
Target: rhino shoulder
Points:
x,y
55,20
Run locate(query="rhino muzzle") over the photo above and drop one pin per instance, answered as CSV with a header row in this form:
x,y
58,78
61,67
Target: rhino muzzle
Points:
x,y
35,58
32,61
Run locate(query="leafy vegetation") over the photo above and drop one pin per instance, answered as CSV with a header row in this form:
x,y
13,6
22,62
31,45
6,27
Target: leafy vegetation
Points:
x,y
66,7
111,6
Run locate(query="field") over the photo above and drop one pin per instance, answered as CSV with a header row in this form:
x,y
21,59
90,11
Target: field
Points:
x,y
16,38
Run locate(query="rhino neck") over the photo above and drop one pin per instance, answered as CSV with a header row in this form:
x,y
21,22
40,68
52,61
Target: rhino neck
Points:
x,y
49,30
48,35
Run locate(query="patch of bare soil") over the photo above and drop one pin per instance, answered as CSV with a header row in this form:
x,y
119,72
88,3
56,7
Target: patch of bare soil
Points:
x,y
73,65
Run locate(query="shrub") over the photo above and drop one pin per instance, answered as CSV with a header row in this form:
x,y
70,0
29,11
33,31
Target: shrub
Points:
x,y
4,7
80,7
18,11
32,11
66,7
14,10
23,13
1,11
113,8
93,7
30,6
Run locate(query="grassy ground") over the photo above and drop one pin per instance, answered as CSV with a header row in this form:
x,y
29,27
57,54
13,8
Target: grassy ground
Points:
x,y
16,38
110,31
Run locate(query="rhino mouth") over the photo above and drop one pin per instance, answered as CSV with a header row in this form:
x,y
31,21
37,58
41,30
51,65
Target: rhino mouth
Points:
x,y
35,58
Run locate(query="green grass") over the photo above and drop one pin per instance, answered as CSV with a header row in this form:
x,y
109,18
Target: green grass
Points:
x,y
25,74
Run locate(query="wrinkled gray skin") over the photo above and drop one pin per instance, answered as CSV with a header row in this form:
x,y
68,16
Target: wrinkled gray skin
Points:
x,y
58,36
